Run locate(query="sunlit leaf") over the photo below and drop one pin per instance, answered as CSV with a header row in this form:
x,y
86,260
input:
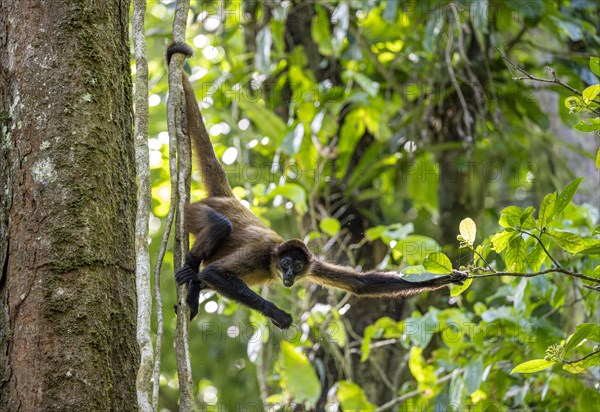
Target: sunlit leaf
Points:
x,y
458,289
590,93
321,33
511,217
546,213
330,225
468,230
515,255
595,65
352,397
298,377
438,262
590,331
531,366
421,371
535,258
501,240
574,368
564,198
588,125
566,240
589,247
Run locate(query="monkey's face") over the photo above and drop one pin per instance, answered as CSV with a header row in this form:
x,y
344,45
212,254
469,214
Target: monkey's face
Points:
x,y
292,264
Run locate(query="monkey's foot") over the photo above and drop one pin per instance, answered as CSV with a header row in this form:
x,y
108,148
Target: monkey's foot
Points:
x,y
185,274
282,319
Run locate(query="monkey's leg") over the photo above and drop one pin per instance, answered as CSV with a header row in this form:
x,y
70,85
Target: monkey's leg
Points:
x,y
211,230
234,288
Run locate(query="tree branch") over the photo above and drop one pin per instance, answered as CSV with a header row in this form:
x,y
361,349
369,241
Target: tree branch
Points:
x,y
579,360
527,275
554,80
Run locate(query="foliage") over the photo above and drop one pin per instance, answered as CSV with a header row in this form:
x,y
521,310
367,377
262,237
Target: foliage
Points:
x,y
352,163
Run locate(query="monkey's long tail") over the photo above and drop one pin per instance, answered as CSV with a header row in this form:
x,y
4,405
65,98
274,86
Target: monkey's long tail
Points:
x,y
212,173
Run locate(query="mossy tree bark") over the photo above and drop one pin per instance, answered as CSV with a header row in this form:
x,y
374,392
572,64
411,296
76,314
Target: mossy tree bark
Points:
x,y
67,207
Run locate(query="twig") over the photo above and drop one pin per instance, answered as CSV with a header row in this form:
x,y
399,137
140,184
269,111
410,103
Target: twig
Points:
x,y
554,80
411,394
467,119
528,275
539,240
579,360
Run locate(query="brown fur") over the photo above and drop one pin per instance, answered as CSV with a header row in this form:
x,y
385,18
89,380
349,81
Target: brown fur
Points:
x,y
236,249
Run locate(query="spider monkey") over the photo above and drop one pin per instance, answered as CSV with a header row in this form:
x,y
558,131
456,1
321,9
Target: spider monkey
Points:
x,y
236,250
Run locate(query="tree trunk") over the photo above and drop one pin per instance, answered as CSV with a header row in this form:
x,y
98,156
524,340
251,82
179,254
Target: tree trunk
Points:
x,y
67,208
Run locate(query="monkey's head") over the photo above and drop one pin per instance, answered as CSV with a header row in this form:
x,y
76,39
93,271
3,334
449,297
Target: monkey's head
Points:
x,y
293,260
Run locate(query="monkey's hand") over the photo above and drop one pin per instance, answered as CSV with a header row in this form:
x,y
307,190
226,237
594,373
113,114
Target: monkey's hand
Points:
x,y
189,271
185,274
281,319
458,278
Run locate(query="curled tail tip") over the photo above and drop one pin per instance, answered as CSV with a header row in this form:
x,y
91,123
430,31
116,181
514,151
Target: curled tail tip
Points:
x,y
178,48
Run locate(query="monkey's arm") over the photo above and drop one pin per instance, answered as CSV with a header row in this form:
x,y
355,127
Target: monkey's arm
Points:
x,y
231,286
373,283
224,276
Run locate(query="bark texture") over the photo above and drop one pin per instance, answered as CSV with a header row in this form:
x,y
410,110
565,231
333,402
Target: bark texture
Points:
x,y
67,180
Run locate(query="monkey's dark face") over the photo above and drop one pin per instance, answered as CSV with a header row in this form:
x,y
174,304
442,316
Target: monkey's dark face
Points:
x,y
292,264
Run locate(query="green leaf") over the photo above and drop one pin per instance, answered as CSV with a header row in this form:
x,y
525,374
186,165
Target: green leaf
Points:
x,y
531,366
598,159
473,373
293,140
585,330
515,255
457,386
564,198
352,397
593,360
596,271
588,125
468,230
511,217
595,65
458,289
573,368
536,257
438,262
546,213
526,220
264,119
420,370
293,192
368,85
590,93
501,240
589,247
330,225
321,33
298,377
365,346
567,241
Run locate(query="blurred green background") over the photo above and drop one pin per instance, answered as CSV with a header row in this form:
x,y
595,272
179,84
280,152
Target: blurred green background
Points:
x,y
370,129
